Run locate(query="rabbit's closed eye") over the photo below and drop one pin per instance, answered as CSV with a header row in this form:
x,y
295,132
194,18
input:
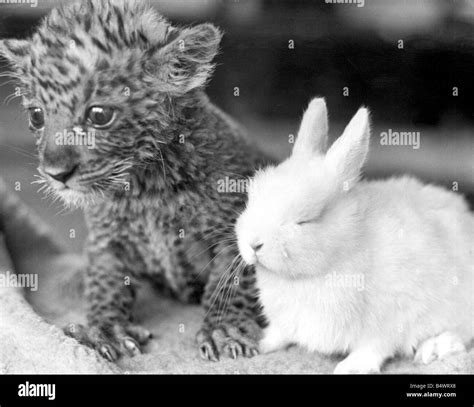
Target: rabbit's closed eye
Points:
x,y
307,221
311,218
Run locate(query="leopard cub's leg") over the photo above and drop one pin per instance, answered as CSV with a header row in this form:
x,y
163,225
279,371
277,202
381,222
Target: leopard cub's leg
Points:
x,y
233,321
110,295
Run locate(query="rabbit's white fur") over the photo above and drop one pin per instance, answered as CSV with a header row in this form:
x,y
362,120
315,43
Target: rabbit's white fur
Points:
x,y
368,269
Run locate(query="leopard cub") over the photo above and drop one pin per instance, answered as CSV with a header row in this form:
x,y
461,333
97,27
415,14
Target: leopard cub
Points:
x,y
124,129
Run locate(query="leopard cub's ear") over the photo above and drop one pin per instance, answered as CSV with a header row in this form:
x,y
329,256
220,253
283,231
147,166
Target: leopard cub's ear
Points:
x,y
15,51
185,61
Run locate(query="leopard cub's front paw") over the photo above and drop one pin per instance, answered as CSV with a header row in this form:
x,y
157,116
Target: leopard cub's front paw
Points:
x,y
226,340
110,340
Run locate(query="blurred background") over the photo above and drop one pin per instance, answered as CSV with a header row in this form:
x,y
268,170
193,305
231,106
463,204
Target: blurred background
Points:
x,y
410,61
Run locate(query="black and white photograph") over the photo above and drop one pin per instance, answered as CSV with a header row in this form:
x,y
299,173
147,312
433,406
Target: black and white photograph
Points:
x,y
237,187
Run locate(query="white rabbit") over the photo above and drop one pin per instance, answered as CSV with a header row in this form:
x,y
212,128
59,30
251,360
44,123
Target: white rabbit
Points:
x,y
367,269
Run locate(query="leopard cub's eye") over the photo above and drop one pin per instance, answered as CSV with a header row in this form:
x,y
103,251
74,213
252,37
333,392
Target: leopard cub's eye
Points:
x,y
100,116
36,117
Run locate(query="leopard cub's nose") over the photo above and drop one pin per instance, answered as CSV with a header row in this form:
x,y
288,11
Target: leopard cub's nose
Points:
x,y
61,174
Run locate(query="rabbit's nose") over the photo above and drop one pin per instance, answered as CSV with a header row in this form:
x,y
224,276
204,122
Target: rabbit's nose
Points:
x,y
256,246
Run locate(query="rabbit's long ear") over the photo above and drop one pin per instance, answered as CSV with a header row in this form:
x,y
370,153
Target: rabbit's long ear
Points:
x,y
348,153
313,132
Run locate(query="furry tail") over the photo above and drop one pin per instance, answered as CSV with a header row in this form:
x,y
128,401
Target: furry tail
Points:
x,y
27,238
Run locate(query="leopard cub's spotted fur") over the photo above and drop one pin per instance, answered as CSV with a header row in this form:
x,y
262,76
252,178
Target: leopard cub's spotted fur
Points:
x,y
117,74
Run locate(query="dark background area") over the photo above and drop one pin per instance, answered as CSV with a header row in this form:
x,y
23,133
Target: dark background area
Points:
x,y
335,46
280,54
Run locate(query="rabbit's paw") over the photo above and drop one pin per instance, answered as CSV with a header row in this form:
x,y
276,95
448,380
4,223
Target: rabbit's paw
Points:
x,y
226,340
110,340
439,347
359,363
272,341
